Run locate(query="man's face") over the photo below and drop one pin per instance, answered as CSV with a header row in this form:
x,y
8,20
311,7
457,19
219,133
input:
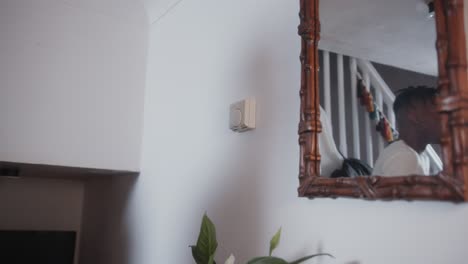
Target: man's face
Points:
x,y
429,121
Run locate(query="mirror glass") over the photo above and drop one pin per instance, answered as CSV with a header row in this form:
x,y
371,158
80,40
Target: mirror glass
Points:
x,y
377,56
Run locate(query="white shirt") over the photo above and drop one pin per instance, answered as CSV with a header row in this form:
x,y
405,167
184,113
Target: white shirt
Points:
x,y
331,157
399,159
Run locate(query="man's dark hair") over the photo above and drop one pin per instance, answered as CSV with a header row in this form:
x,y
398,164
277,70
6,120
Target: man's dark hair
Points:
x,y
408,96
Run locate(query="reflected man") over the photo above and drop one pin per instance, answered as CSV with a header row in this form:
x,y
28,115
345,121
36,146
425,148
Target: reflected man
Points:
x,y
418,125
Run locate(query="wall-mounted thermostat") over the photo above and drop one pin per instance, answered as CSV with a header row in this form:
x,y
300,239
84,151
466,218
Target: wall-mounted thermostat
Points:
x,y
242,115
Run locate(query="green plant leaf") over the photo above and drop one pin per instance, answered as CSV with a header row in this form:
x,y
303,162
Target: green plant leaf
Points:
x,y
275,241
309,257
211,260
206,243
198,256
267,260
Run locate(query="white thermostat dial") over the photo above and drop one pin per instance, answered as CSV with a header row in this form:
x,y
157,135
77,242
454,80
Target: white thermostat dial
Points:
x,y
242,115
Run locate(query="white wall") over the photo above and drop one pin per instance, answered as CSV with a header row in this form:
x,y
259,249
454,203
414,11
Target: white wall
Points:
x,y
41,204
204,55
72,82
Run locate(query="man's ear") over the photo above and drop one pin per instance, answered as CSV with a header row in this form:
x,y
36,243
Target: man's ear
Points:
x,y
413,116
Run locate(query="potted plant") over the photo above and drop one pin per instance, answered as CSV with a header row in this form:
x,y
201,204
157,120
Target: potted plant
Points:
x,y
204,251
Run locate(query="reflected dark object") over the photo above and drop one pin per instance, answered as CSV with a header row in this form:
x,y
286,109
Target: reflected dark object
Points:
x,y
9,171
40,247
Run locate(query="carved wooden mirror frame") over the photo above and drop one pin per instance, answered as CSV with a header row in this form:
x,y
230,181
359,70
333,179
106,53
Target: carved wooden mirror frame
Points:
x,y
452,103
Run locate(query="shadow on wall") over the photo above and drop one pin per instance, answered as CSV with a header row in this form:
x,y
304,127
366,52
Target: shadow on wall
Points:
x,y
262,169
239,211
105,233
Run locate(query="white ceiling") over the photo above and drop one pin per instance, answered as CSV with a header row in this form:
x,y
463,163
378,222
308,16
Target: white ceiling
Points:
x,y
130,12
155,9
392,32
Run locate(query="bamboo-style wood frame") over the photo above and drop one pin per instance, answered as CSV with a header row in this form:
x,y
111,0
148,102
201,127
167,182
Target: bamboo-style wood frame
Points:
x,y
449,185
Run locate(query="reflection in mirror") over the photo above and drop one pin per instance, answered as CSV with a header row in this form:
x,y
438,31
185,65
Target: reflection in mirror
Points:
x,y
366,83
371,54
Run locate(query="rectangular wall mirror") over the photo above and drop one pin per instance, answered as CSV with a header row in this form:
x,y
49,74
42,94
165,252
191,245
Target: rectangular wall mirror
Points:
x,y
384,102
